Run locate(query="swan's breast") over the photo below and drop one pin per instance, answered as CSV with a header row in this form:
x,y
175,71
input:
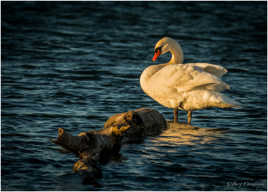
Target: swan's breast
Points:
x,y
147,74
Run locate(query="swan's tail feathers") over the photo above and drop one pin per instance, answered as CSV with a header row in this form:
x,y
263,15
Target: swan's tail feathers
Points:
x,y
228,102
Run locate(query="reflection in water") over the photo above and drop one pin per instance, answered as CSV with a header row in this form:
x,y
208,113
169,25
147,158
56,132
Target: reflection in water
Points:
x,y
76,67
184,134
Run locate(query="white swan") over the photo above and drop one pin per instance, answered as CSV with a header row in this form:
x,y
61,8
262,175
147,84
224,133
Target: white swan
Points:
x,y
187,87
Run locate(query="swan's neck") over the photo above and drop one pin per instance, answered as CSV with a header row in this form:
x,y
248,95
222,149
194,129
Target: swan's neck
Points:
x,y
177,54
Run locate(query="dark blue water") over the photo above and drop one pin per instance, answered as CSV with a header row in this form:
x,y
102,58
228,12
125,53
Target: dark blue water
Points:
x,y
73,65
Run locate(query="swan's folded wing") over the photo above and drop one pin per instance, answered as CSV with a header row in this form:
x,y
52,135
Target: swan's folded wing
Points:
x,y
185,77
216,70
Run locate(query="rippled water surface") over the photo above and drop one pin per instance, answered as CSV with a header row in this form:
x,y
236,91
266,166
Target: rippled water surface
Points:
x,y
73,65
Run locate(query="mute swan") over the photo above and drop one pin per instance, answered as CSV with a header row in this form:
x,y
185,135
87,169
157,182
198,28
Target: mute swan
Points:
x,y
187,87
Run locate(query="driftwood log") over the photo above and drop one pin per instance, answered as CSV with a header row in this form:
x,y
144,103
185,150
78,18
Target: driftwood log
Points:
x,y
95,148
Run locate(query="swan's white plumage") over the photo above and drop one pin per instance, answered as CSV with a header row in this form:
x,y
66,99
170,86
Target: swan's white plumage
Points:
x,y
187,87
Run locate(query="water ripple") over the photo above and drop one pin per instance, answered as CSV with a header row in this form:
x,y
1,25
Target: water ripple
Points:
x,y
73,65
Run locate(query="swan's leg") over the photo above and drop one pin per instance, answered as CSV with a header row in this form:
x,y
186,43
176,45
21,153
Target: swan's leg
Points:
x,y
175,114
189,117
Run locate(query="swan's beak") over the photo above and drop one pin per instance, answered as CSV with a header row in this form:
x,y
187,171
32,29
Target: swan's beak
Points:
x,y
156,54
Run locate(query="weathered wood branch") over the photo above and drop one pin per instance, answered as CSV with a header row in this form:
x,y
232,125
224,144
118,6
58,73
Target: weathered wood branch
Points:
x,y
98,147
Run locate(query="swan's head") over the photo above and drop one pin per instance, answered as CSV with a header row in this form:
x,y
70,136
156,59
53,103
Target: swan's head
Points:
x,y
167,44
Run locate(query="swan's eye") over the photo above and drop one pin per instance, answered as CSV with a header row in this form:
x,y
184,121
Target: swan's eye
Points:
x,y
158,50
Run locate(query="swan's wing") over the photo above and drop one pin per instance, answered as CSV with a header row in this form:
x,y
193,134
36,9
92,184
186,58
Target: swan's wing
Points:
x,y
216,70
185,77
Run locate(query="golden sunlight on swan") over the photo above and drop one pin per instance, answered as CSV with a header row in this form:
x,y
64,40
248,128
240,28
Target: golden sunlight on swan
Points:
x,y
187,87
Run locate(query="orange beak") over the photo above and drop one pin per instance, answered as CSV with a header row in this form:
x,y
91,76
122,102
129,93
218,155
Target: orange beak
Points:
x,y
156,54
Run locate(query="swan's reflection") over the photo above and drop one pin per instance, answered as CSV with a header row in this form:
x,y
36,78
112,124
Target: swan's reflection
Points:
x,y
185,134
